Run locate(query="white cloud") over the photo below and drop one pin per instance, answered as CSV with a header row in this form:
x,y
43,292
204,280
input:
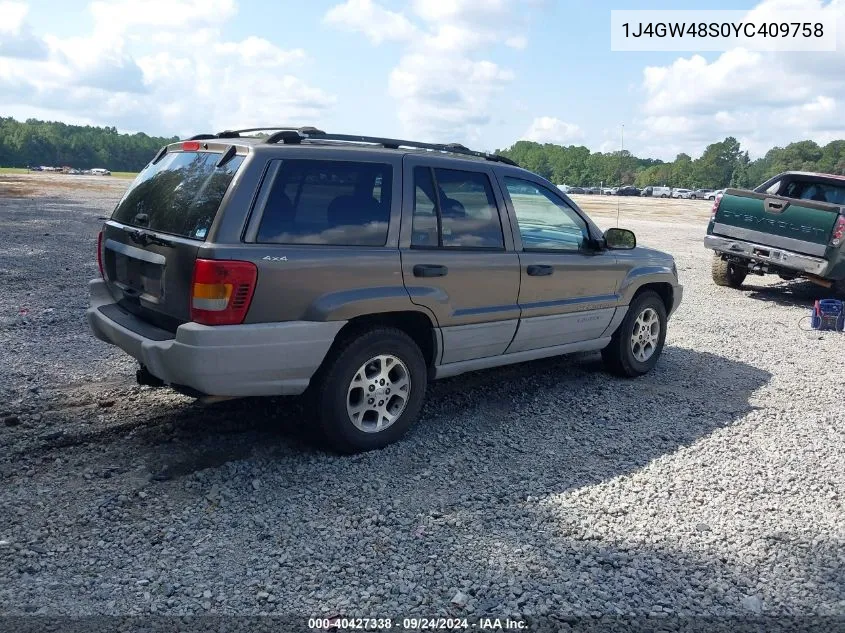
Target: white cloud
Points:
x,y
546,129
444,85
192,79
762,98
16,38
366,17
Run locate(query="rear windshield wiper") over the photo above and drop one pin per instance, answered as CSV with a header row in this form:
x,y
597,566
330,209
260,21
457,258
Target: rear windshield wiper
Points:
x,y
139,237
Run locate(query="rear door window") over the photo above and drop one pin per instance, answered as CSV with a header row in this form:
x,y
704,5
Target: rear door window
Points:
x,y
179,195
455,209
328,202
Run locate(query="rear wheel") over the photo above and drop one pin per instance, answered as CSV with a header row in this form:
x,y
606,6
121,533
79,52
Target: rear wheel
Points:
x,y
664,196
638,341
727,273
370,391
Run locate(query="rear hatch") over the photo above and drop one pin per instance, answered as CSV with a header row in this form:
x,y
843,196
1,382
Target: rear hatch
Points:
x,y
150,244
802,220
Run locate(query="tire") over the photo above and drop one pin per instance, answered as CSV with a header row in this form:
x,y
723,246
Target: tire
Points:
x,y
664,196
692,197
350,361
727,273
838,289
624,356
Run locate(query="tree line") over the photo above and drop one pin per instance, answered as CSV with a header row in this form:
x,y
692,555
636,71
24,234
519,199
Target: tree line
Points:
x,y
32,142
723,164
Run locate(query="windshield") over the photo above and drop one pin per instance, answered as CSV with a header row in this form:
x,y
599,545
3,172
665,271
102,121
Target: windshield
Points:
x,y
180,194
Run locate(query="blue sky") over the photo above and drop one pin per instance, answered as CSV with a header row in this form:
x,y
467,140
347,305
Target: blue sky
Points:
x,y
482,73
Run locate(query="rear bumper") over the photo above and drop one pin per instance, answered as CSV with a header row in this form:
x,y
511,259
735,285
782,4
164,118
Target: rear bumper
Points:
x,y
261,359
767,254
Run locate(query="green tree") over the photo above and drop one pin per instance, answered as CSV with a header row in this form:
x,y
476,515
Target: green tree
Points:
x,y
740,176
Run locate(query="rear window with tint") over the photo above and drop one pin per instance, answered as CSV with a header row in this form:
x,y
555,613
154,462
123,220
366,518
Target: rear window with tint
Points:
x,y
180,194
328,202
816,191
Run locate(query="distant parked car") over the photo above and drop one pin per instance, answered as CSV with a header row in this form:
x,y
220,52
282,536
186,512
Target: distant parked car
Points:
x,y
576,190
681,193
700,194
613,191
596,191
564,188
628,191
712,195
660,192
36,168
607,191
99,171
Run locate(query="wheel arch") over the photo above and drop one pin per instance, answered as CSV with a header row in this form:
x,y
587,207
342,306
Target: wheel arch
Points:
x,y
417,324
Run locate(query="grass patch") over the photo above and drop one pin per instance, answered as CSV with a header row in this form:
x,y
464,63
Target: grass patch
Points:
x,y
124,174
13,170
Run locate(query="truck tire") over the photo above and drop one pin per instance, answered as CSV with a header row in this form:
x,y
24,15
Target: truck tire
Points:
x,y
838,289
370,390
726,273
638,342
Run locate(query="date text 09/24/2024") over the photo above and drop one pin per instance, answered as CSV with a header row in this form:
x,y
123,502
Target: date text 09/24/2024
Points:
x,y
416,624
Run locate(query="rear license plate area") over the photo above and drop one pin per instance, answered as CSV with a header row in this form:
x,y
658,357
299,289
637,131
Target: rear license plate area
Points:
x,y
138,277
770,254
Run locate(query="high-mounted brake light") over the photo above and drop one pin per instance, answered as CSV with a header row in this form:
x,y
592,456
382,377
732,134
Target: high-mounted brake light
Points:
x,y
100,254
190,146
838,231
222,291
716,202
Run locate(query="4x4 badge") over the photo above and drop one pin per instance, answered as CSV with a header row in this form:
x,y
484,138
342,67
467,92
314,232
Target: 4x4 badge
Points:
x,y
275,259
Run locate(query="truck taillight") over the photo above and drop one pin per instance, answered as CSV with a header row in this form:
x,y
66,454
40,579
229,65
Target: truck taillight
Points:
x,y
100,254
716,202
221,291
838,231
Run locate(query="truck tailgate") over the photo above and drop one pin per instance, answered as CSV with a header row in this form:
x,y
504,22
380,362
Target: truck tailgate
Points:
x,y
802,226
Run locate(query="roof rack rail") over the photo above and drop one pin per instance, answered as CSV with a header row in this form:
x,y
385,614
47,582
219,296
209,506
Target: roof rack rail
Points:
x,y
294,137
237,133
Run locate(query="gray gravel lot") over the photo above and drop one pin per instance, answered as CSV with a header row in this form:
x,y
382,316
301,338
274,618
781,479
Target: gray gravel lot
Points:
x,y
713,486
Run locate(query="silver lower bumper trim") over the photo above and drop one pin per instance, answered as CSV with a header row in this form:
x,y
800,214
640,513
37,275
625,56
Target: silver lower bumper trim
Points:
x,y
767,254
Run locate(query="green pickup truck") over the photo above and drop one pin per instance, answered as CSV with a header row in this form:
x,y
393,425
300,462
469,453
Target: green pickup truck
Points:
x,y
792,225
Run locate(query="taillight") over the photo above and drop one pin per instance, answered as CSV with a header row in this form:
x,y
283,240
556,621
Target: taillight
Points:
x,y
100,254
222,291
716,202
838,231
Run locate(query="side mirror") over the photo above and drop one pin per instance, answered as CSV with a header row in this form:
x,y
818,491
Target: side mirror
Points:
x,y
620,239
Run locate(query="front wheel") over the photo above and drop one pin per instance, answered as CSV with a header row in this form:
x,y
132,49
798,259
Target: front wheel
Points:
x,y
370,391
727,273
638,341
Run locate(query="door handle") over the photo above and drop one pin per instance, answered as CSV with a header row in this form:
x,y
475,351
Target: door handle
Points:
x,y
430,270
540,270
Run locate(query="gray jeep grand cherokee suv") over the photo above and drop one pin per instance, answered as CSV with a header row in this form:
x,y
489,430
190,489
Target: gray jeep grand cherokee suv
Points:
x,y
356,269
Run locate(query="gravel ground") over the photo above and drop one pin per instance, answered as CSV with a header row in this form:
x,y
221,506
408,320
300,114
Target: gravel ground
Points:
x,y
711,487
